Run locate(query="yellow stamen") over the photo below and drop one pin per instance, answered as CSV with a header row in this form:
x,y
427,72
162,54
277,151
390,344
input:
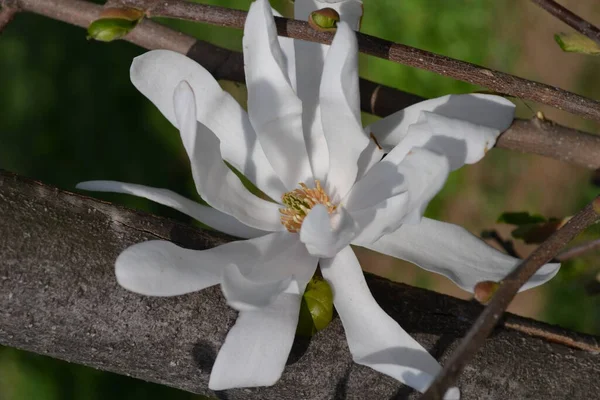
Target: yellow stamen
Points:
x,y
298,203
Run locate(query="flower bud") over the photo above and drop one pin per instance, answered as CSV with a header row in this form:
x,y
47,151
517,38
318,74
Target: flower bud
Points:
x,y
316,309
485,290
324,20
114,23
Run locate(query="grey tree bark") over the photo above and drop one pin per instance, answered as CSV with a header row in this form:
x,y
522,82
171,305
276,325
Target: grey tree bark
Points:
x,y
59,297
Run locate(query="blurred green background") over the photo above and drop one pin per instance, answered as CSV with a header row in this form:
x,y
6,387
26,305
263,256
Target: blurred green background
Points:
x,y
68,113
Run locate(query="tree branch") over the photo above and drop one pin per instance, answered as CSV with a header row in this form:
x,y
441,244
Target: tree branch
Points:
x,y
536,137
509,287
399,53
578,251
8,10
546,138
571,19
59,297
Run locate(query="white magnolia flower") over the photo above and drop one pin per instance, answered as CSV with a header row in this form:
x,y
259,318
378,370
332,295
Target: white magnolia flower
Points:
x,y
302,144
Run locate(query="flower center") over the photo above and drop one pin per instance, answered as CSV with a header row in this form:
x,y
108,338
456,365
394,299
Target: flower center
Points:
x,y
298,203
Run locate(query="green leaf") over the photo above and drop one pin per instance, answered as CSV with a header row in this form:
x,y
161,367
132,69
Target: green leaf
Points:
x,y
577,43
520,218
316,309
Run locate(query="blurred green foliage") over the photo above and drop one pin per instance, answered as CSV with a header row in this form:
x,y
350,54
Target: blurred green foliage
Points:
x,y
68,113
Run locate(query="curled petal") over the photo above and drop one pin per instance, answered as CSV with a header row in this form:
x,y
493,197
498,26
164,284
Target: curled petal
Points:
x,y
452,251
215,182
309,64
391,195
323,234
207,215
275,110
374,338
493,112
460,141
380,219
340,112
285,265
245,294
157,73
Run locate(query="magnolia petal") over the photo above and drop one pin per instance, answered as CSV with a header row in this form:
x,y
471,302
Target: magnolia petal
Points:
x,y
289,53
215,182
275,257
340,112
275,110
383,218
426,173
309,64
452,251
157,73
489,111
245,294
460,141
160,268
324,234
370,156
390,195
207,215
374,338
288,265
257,346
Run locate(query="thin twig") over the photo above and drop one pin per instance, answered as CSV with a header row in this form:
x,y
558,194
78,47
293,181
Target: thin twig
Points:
x,y
509,287
8,10
578,251
553,337
531,136
573,20
399,53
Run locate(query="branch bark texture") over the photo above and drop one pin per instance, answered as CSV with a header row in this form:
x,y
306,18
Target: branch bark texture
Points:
x,y
8,10
59,297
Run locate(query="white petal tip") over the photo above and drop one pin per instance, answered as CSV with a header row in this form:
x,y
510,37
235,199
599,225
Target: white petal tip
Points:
x,y
452,394
97,186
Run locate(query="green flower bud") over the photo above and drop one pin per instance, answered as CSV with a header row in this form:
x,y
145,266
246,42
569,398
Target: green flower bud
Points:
x,y
316,310
114,23
324,20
